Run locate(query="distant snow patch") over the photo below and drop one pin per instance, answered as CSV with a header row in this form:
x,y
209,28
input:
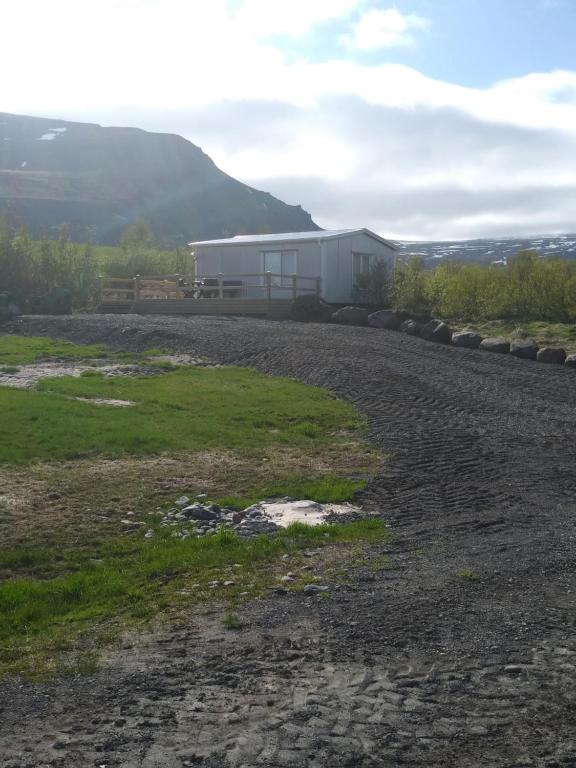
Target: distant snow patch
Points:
x,y
51,134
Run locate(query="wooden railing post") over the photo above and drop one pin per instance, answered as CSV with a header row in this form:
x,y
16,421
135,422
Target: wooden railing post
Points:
x,y
269,286
318,281
136,282
294,287
220,285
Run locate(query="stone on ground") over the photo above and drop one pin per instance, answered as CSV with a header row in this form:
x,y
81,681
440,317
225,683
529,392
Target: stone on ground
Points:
x,y
524,348
467,339
411,327
310,309
437,331
387,319
570,361
496,344
350,316
555,355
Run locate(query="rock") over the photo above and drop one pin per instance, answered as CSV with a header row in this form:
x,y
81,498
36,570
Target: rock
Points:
x,y
313,589
387,319
555,355
311,309
198,512
411,327
350,316
524,348
496,344
149,534
183,501
437,331
467,339
570,361
229,583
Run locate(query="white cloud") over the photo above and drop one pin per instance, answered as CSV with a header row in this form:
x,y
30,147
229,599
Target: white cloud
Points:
x,y
264,18
383,146
385,29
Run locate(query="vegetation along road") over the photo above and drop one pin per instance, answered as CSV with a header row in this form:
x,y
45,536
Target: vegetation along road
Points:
x,y
455,648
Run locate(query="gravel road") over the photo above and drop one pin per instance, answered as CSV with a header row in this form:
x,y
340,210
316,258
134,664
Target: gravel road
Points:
x,y
419,667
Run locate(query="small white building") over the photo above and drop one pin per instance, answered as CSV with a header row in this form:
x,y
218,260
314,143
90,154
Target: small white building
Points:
x,y
336,257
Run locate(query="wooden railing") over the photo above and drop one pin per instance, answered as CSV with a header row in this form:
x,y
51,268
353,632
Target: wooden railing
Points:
x,y
263,285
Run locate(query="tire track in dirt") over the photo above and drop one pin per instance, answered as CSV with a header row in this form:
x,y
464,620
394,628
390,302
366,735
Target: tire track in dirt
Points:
x,y
414,665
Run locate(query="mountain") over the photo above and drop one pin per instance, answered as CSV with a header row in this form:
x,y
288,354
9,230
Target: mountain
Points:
x,y
491,251
54,172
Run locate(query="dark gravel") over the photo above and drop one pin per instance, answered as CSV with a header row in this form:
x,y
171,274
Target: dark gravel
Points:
x,y
463,654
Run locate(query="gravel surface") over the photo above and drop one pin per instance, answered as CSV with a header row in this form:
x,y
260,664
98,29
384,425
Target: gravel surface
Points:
x,y
463,654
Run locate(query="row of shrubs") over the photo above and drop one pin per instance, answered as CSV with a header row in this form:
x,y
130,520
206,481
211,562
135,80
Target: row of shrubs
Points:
x,y
528,287
56,275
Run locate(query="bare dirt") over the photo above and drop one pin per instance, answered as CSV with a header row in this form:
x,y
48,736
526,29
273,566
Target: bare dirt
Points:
x,y
463,654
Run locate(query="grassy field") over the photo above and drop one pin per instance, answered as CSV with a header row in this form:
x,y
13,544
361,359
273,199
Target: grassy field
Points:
x,y
130,580
546,334
70,470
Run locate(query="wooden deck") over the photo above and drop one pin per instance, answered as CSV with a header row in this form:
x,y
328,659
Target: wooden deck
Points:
x,y
219,295
276,309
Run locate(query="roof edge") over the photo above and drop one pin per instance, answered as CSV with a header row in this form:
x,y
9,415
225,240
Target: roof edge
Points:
x,y
284,237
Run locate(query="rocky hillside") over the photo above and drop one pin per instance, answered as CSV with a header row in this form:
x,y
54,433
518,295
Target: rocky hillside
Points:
x,y
54,172
491,251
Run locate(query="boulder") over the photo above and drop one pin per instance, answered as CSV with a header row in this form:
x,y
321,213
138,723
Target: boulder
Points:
x,y
310,309
411,327
555,355
350,316
198,512
570,361
437,331
525,348
387,319
495,344
468,339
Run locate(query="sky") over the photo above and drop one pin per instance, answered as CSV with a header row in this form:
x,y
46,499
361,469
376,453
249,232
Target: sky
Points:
x,y
420,119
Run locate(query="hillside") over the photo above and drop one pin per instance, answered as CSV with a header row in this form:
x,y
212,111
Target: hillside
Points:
x,y
54,172
490,251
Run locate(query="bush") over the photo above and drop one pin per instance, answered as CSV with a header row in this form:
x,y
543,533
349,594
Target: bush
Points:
x,y
373,287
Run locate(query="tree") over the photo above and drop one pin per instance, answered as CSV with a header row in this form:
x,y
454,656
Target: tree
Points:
x,y
373,286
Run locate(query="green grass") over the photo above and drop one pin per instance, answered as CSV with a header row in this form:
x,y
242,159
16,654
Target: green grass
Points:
x,y
133,578
189,409
468,575
22,350
328,489
544,333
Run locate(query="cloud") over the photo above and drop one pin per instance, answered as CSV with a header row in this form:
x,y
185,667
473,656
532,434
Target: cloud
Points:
x,y
388,28
378,145
264,18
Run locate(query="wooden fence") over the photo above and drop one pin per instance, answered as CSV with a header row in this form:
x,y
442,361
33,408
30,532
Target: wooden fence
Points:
x,y
254,293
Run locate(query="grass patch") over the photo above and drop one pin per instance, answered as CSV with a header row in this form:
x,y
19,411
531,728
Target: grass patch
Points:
x,y
133,579
199,408
468,575
545,334
328,489
23,350
232,621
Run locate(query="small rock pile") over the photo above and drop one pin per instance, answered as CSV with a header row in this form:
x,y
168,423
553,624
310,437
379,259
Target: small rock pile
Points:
x,y
202,518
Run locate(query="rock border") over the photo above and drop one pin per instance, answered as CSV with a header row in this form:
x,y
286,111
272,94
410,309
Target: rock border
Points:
x,y
437,331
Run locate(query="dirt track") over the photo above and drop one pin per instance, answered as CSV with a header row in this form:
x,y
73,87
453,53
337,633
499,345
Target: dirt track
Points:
x,y
417,668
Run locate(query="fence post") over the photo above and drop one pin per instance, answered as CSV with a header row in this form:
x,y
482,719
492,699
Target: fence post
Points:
x,y
220,285
269,286
294,287
318,280
136,288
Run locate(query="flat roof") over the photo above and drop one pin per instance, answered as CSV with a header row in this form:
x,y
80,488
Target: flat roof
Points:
x,y
289,237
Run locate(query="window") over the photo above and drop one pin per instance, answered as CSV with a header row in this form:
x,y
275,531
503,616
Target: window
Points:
x,y
282,264
361,263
